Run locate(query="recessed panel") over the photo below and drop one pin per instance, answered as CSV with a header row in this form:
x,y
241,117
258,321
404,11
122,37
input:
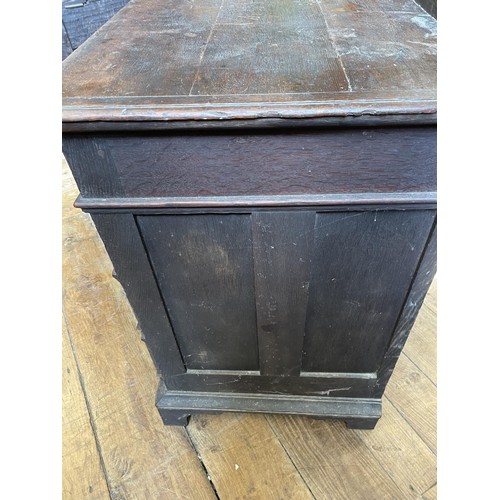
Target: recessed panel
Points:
x,y
204,268
363,267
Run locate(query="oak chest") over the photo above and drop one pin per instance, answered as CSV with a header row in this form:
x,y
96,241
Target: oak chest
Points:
x,y
263,176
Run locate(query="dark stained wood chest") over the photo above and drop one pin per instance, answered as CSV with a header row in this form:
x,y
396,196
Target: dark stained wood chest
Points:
x,y
263,176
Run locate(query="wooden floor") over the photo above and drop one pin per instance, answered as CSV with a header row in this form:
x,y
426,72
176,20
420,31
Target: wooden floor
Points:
x,y
115,445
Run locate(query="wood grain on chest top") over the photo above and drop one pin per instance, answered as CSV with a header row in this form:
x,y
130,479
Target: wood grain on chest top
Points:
x,y
175,60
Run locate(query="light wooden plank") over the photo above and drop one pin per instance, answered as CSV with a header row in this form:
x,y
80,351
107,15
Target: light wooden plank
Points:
x,y
244,458
421,344
397,448
431,299
414,396
333,460
83,477
430,494
401,452
142,457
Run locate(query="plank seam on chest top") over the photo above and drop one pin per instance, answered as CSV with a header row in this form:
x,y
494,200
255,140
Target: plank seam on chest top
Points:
x,y
205,47
335,47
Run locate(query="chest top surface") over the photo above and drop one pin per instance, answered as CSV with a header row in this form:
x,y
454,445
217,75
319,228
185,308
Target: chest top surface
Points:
x,y
170,60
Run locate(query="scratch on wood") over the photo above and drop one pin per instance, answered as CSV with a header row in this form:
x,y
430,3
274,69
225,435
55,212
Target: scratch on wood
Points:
x,y
225,381
340,220
328,391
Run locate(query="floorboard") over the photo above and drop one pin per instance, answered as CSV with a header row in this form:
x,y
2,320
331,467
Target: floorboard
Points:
x,y
142,458
414,396
244,458
228,456
430,494
83,476
334,461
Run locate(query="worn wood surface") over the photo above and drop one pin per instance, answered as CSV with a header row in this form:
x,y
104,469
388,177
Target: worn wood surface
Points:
x,y
418,405
421,282
268,163
82,472
262,123
171,61
355,298
390,461
345,385
351,410
240,204
337,279
281,316
246,457
430,494
333,460
212,308
143,459
218,59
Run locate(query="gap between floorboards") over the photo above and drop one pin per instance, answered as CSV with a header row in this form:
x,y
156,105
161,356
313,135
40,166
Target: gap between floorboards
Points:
x,y
188,436
89,410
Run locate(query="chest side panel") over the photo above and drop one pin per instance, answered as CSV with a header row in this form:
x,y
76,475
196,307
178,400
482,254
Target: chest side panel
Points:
x,y
363,266
204,268
305,294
